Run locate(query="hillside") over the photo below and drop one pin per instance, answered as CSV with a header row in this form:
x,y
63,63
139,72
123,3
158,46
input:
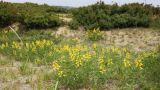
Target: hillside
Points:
x,y
96,47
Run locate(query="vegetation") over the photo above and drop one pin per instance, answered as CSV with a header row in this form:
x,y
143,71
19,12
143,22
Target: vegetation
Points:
x,y
155,23
35,22
63,60
114,16
31,15
98,15
94,35
73,24
8,14
81,66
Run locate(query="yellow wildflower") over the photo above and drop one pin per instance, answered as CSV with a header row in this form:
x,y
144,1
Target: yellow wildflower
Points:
x,y
61,74
27,45
56,66
3,46
138,62
78,63
86,57
110,61
94,45
102,67
126,61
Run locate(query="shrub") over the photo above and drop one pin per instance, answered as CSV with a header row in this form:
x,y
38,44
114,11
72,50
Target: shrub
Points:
x,y
121,20
44,21
114,16
155,23
7,14
94,35
73,24
57,9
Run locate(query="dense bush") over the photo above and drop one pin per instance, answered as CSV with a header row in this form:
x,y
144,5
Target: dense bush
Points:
x,y
155,22
73,24
98,15
7,14
36,16
114,16
57,9
30,14
41,21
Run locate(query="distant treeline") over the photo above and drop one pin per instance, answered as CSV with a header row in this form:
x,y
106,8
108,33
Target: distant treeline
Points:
x,y
98,15
105,16
29,14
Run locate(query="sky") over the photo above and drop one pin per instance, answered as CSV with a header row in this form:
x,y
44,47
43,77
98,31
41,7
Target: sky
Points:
x,y
77,3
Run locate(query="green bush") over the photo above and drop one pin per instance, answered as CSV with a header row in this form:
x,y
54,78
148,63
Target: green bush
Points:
x,y
41,21
57,9
155,23
113,16
30,14
121,20
73,24
7,14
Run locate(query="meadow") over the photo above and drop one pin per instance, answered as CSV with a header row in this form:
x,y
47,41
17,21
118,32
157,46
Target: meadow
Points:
x,y
97,47
55,61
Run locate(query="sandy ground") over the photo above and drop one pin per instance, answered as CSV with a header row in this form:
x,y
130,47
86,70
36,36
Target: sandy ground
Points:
x,y
136,39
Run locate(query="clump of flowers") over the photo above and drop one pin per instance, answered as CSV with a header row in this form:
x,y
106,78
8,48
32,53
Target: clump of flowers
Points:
x,y
94,35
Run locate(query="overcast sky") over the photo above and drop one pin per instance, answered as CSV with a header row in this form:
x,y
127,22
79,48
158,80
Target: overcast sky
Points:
x,y
77,3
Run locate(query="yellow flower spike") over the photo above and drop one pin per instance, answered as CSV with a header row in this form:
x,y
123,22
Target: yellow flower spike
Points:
x,y
27,45
138,62
94,30
107,50
126,63
38,42
94,45
102,69
86,57
100,60
125,50
128,55
34,49
44,41
56,66
37,61
66,48
3,46
101,65
78,63
50,53
110,61
61,74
